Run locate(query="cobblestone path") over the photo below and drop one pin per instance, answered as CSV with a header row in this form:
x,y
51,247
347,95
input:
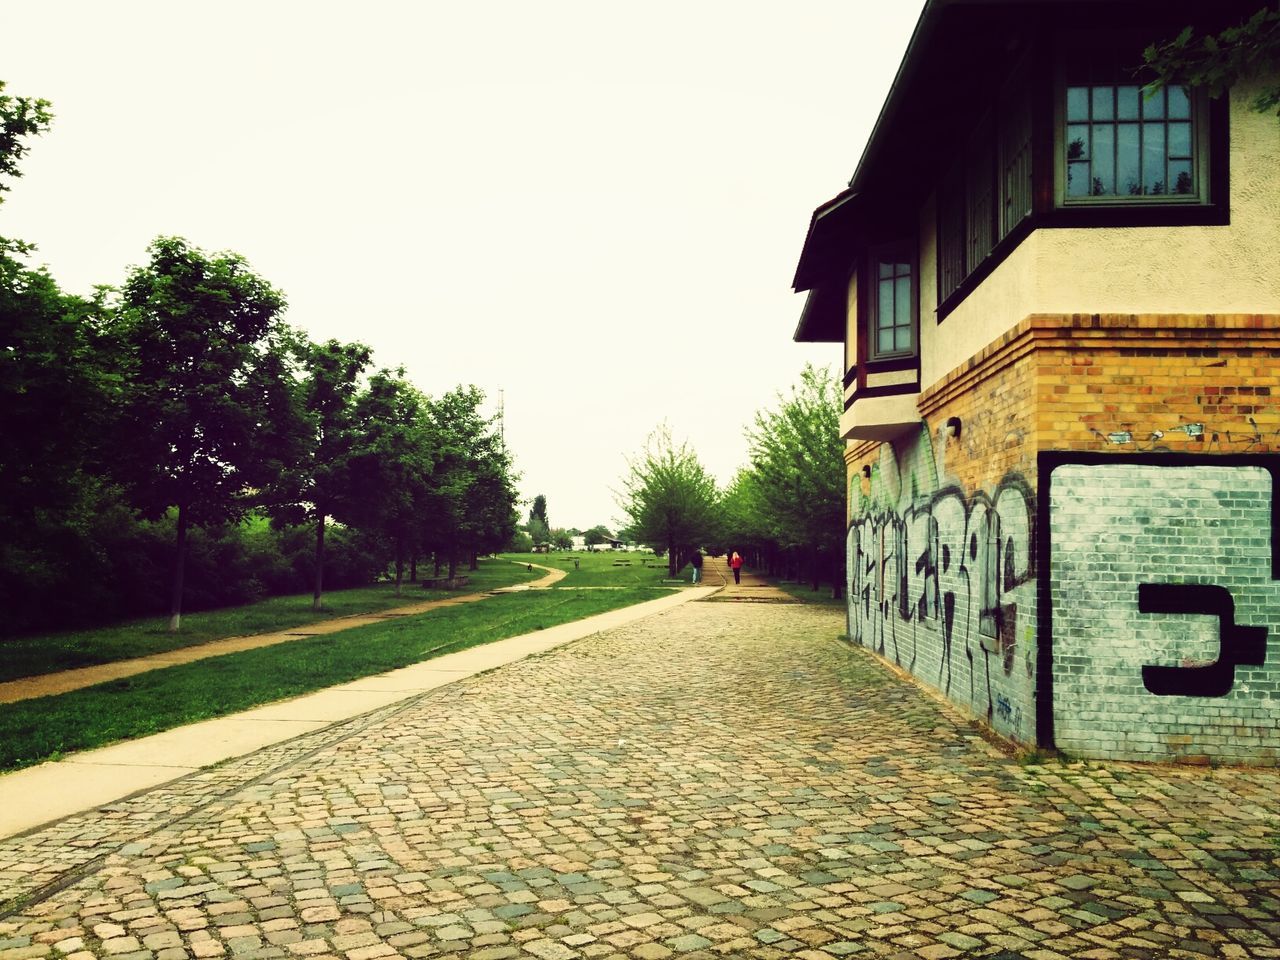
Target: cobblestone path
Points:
x,y
719,780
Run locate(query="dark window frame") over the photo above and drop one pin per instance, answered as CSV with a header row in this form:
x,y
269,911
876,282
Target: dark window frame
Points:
x,y
1211,208
896,254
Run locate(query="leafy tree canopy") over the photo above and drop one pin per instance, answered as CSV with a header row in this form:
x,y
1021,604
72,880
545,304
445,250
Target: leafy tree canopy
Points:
x,y
669,497
1217,61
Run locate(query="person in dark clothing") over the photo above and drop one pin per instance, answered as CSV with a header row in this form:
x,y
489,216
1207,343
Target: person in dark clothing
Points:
x,y
695,561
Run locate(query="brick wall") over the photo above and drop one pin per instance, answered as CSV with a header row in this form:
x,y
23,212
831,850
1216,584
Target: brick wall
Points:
x,y
1116,528
934,507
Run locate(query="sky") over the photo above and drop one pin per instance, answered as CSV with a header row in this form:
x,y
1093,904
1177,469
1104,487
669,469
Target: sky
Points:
x,y
591,210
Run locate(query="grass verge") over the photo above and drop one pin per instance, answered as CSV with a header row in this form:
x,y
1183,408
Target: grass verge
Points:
x,y
805,593
602,569
35,730
38,654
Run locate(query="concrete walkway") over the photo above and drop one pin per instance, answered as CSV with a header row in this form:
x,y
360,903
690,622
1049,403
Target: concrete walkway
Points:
x,y
715,780
64,681
85,780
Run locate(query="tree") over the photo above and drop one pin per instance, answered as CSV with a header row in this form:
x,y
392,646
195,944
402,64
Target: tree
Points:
x,y
539,511
669,498
473,492
597,535
391,463
20,117
1218,61
207,387
797,457
561,539
319,485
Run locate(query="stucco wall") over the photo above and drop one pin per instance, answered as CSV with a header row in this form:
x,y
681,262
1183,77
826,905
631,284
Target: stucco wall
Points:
x,y
1223,269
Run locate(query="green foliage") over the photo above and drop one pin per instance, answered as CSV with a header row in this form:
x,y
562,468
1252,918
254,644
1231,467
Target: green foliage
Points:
x,y
669,498
1218,61
539,511
792,496
561,539
597,535
20,117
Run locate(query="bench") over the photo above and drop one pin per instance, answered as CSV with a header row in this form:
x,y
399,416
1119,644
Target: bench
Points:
x,y
622,563
445,583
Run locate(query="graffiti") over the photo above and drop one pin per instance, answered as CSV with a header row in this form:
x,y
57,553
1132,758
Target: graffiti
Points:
x,y
1238,645
938,578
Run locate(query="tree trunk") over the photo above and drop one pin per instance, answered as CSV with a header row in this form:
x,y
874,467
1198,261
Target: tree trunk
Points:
x,y
318,583
179,569
837,577
413,569
813,567
475,562
436,558
453,566
399,565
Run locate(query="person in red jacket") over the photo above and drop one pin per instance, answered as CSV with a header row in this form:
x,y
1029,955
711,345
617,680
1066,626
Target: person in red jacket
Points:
x,y
736,562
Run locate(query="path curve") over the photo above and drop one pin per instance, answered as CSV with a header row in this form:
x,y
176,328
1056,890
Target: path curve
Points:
x,y
65,681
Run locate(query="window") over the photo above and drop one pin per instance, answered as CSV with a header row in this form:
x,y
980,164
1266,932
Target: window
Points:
x,y
1121,144
1117,144
988,192
894,311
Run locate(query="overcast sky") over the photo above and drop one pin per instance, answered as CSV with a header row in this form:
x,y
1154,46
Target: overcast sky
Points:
x,y
593,209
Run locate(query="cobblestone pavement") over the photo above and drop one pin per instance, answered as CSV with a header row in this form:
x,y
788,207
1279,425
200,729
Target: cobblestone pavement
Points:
x,y
719,780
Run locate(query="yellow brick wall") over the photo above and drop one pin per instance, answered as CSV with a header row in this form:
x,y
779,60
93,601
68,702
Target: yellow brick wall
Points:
x,y
1116,383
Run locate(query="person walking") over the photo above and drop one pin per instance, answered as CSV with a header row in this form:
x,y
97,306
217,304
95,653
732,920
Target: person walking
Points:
x,y
736,563
695,561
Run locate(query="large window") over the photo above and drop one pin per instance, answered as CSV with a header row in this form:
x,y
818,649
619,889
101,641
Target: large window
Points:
x,y
988,191
1121,143
894,310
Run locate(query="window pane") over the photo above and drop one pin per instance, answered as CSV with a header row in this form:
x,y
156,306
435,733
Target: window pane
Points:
x,y
885,344
1128,173
1180,176
1127,103
1077,103
1153,157
902,338
902,269
1179,104
886,270
1102,105
1179,140
1078,179
1077,142
884,312
902,302
1153,106
1104,179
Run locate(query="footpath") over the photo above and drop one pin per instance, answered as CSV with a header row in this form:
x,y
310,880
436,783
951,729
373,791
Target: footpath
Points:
x,y
81,781
713,780
64,681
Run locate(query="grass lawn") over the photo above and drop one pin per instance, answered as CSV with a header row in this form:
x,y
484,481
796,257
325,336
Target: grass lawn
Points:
x,y
36,730
37,654
603,569
806,593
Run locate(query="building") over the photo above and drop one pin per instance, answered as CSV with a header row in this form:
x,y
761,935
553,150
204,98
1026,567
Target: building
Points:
x,y
1059,301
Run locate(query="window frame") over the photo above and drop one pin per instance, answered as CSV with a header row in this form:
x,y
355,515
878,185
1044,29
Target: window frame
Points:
x,y
1201,157
896,254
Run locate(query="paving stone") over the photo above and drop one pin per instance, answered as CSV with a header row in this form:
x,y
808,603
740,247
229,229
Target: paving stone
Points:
x,y
718,781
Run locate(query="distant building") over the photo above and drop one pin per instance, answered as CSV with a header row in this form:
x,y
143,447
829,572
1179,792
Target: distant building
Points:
x,y
1059,300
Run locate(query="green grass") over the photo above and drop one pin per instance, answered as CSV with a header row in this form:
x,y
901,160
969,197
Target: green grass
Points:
x,y
599,570
37,654
805,593
36,730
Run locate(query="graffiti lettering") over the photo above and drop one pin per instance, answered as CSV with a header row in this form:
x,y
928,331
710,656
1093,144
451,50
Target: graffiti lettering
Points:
x,y
1238,645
